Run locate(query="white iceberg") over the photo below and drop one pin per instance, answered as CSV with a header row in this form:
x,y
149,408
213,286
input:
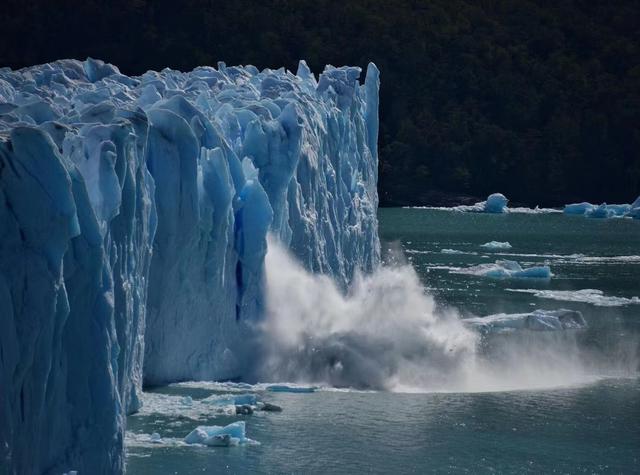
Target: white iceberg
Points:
x,y
495,203
219,436
231,400
602,211
504,269
578,208
539,320
496,245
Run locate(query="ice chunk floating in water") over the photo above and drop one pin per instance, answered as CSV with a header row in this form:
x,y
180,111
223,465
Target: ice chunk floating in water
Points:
x,y
538,320
133,216
592,296
604,210
496,245
504,269
496,203
218,436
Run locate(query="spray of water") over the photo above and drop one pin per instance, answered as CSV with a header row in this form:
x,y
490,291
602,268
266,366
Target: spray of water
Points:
x,y
387,333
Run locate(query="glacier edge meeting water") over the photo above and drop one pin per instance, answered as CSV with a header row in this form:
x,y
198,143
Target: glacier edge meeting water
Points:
x,y
134,214
221,224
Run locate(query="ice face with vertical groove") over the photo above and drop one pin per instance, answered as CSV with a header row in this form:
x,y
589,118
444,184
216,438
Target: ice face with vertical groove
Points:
x,y
133,220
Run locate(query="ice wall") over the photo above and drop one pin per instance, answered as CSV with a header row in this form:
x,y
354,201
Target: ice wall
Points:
x,y
133,221
235,153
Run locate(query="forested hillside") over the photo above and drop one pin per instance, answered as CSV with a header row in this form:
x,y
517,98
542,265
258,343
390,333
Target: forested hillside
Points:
x,y
537,99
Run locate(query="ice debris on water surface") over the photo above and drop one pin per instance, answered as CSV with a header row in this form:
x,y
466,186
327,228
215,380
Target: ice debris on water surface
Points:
x,y
538,320
589,296
504,269
284,388
219,436
496,245
604,210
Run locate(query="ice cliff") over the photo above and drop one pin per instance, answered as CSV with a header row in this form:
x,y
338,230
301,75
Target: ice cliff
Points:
x,y
134,213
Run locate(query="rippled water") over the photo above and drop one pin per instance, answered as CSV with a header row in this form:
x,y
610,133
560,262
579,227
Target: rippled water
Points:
x,y
591,426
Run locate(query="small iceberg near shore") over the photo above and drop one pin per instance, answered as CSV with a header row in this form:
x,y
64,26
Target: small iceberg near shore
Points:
x,y
539,320
496,245
504,269
604,211
219,436
496,203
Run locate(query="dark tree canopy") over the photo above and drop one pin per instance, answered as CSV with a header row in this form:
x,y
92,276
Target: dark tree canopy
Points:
x,y
538,99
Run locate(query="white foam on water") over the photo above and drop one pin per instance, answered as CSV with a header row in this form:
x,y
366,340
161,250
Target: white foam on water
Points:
x,y
387,333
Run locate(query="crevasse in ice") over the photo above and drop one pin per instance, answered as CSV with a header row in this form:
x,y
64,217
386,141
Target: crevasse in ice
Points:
x,y
133,221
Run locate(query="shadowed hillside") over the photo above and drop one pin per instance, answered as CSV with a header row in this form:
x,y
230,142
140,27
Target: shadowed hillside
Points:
x,y
537,99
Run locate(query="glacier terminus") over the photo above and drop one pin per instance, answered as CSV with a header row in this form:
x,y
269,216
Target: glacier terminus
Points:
x,y
134,214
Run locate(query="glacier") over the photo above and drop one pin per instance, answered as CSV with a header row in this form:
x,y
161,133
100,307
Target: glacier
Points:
x,y
134,217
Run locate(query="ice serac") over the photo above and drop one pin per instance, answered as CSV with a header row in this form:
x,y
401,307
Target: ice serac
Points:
x,y
236,154
134,214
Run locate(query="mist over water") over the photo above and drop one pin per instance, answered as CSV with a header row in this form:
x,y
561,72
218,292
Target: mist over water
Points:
x,y
388,333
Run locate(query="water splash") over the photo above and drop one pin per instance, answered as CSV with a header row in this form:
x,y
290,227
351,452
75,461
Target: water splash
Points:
x,y
387,333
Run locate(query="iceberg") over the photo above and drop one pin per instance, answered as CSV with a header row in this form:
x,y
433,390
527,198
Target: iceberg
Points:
x,y
134,214
496,203
504,269
538,320
219,436
496,245
578,208
591,296
232,400
603,211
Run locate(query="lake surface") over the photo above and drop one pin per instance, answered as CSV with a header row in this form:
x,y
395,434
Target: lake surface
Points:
x,y
589,423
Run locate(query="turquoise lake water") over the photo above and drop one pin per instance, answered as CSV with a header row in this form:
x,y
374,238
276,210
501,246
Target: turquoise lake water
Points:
x,y
583,418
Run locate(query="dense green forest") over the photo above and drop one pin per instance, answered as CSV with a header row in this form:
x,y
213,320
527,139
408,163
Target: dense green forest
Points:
x,y
537,99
